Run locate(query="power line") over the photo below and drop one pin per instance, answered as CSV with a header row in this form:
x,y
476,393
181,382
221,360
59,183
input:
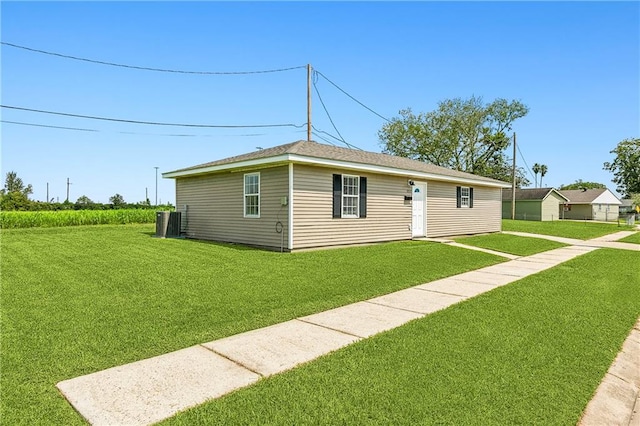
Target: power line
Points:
x,y
343,91
135,133
324,139
330,119
525,161
45,125
113,64
153,123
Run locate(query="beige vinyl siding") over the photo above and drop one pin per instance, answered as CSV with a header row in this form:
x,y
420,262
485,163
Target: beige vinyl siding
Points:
x,y
215,207
579,212
388,215
603,214
443,218
551,207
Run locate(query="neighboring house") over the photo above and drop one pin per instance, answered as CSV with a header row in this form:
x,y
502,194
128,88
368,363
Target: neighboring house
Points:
x,y
541,204
590,204
306,194
628,206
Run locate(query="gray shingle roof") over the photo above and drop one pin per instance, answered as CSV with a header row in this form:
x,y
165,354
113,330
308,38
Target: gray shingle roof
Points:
x,y
578,196
322,151
527,194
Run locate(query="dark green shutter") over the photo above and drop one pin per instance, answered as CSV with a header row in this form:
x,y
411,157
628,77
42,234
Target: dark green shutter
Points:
x,y
337,196
363,196
470,198
458,196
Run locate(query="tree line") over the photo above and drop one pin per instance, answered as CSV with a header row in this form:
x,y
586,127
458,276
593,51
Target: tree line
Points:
x,y
472,136
15,196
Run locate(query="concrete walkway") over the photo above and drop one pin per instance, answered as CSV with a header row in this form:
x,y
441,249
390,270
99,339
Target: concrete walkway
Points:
x,y
151,390
608,241
618,393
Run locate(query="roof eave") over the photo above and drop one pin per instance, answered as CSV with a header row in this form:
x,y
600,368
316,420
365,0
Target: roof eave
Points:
x,y
302,159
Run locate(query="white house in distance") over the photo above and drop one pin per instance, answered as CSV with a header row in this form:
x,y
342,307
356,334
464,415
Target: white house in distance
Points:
x,y
306,194
590,204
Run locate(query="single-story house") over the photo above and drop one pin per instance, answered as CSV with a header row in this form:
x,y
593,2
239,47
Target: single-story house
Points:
x,y
306,194
590,204
540,204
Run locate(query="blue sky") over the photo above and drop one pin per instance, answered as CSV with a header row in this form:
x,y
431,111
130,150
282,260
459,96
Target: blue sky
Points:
x,y
576,65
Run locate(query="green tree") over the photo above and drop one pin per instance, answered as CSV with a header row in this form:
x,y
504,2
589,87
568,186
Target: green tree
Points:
x,y
579,184
543,171
626,166
536,169
461,134
13,183
117,201
15,195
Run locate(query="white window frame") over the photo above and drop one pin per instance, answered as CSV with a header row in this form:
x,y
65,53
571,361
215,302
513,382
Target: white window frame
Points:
x,y
465,200
250,194
355,197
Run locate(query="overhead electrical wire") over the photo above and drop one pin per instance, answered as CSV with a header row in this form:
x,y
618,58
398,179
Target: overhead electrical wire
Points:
x,y
329,116
152,123
113,64
343,91
525,162
21,123
45,125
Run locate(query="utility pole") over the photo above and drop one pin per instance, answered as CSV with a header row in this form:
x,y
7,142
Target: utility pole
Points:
x,y
146,194
309,102
47,192
513,180
68,183
156,167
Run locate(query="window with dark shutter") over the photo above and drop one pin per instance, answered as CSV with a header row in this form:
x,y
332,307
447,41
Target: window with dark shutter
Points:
x,y
337,196
464,196
363,196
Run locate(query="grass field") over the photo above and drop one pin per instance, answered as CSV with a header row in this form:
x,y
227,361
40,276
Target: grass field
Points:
x,y
532,352
635,238
47,219
76,300
570,229
505,243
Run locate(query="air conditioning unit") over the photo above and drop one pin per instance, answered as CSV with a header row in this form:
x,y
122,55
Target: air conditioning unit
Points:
x,y
168,224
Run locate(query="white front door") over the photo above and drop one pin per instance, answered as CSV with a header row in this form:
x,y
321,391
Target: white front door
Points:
x,y
418,206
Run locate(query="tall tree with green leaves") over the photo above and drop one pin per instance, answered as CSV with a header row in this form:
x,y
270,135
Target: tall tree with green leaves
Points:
x,y
626,166
536,170
461,134
15,195
543,171
580,184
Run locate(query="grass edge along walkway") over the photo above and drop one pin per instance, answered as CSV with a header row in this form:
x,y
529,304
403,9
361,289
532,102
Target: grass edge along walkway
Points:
x,y
88,392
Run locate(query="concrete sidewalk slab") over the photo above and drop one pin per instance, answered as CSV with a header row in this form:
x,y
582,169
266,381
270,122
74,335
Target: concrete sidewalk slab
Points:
x,y
563,240
614,237
153,389
494,252
617,396
482,277
617,245
280,347
456,287
416,300
362,319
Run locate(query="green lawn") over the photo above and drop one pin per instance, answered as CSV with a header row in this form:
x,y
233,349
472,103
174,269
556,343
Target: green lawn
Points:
x,y
76,300
570,229
635,238
513,244
532,352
